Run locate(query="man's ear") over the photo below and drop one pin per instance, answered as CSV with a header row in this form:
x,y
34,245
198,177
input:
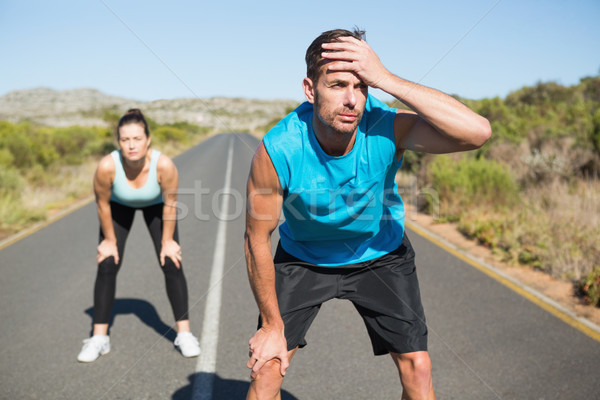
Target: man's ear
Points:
x,y
309,90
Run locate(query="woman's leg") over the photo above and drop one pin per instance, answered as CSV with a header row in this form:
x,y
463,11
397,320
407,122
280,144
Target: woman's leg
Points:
x,y
106,277
176,284
174,277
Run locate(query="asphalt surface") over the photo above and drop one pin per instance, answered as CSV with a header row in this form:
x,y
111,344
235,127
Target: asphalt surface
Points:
x,y
486,341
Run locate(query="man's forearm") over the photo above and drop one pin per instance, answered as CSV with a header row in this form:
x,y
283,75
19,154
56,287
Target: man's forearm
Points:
x,y
261,273
446,114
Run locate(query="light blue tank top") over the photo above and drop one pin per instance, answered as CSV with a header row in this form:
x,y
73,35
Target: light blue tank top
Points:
x,y
122,192
338,210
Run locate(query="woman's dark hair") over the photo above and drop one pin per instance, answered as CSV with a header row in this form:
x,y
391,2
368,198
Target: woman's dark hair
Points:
x,y
133,116
313,54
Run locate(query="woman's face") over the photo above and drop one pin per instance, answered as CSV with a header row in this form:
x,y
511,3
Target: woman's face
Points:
x,y
133,142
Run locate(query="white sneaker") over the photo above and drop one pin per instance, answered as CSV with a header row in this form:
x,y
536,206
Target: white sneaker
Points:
x,y
94,347
187,344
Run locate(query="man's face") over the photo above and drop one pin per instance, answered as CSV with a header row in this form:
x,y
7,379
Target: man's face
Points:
x,y
339,99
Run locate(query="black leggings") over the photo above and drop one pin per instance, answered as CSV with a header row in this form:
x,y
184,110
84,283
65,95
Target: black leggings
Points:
x,y
106,279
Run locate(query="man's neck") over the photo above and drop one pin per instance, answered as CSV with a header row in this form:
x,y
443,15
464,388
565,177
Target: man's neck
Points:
x,y
333,143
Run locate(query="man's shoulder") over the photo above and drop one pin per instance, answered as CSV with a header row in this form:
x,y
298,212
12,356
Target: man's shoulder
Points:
x,y
375,106
285,141
291,128
378,115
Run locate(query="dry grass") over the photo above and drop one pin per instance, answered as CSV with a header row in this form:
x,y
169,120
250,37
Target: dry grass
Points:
x,y
60,187
47,193
555,227
566,218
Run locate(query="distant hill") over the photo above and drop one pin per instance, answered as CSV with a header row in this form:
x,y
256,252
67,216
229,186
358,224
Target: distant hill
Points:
x,y
87,107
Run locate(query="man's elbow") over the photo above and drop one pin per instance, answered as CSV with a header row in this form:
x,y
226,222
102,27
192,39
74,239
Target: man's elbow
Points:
x,y
481,134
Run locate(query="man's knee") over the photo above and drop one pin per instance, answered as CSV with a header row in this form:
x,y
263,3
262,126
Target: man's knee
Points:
x,y
415,365
268,380
270,371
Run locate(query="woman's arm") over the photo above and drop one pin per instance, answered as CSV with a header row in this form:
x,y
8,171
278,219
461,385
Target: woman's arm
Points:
x,y
103,179
168,178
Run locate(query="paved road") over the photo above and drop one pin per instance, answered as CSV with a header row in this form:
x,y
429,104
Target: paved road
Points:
x,y
486,342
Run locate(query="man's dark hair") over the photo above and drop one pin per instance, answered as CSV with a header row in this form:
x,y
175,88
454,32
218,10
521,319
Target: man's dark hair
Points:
x,y
313,54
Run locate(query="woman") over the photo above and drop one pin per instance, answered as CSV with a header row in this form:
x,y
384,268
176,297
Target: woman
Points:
x,y
137,177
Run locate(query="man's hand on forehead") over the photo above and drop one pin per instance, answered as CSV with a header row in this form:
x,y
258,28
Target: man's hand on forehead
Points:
x,y
353,55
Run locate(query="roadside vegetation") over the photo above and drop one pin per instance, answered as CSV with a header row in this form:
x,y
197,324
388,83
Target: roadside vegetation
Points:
x,y
44,169
532,193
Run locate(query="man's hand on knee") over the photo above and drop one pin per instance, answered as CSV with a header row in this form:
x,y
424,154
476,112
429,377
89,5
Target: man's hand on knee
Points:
x,y
265,346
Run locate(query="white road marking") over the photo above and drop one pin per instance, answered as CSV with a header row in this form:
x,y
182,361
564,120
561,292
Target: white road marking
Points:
x,y
206,366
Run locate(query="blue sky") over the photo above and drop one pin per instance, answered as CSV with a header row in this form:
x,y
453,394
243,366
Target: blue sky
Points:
x,y
148,50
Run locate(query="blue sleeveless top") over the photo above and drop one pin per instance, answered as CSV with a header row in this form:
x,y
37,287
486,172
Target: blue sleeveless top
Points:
x,y
338,210
122,192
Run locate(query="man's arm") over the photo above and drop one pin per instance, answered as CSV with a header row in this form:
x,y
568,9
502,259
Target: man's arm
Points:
x,y
439,123
264,204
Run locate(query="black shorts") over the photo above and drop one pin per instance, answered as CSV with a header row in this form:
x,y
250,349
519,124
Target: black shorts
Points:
x,y
385,292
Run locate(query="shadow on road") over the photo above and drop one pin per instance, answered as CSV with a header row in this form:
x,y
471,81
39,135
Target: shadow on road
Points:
x,y
222,389
144,311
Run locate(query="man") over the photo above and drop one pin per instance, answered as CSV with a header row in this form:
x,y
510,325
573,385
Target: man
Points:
x,y
330,166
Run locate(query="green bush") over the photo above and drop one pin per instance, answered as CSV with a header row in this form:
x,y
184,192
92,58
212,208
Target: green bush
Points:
x,y
19,145
467,182
99,147
541,94
530,255
169,133
411,161
6,158
595,131
489,230
10,180
590,287
24,145
179,132
71,140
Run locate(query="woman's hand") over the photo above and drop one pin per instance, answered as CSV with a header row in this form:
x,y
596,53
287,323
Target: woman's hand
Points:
x,y
107,248
171,249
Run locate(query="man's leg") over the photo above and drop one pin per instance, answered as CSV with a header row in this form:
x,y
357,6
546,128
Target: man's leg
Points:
x,y
267,384
301,289
415,375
